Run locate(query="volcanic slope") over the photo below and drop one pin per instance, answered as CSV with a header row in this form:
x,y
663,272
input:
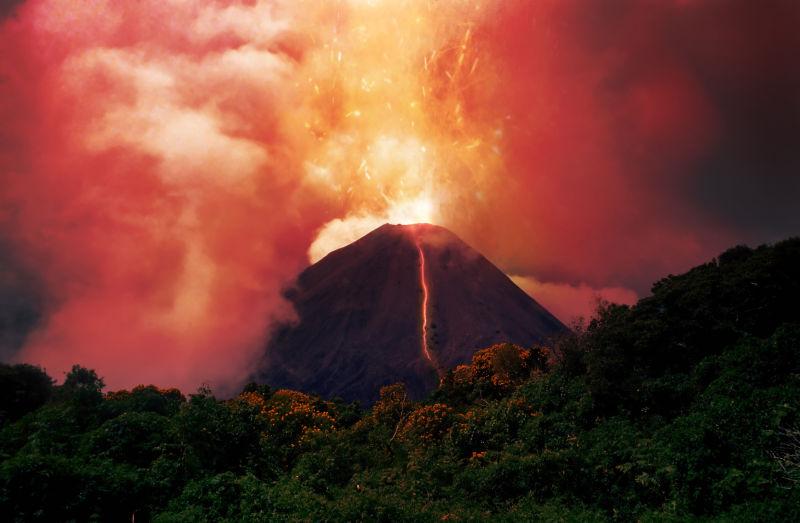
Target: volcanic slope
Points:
x,y
403,303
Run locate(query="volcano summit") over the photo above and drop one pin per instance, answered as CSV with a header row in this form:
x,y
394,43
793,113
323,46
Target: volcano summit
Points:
x,y
403,303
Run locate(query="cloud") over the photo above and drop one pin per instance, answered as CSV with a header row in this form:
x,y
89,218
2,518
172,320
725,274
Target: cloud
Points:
x,y
157,211
571,303
7,7
21,304
641,138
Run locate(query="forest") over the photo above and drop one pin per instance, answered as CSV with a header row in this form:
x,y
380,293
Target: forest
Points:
x,y
685,406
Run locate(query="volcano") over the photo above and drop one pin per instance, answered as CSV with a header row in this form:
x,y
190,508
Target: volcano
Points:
x,y
402,304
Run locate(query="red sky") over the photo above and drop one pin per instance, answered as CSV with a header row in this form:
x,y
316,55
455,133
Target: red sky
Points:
x,y
168,166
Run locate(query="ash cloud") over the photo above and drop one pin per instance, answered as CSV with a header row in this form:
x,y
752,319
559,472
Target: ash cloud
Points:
x,y
645,136
21,304
8,7
160,218
741,55
165,166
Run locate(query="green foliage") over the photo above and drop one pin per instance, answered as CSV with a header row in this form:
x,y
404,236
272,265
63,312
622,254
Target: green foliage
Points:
x,y
82,383
682,407
136,438
23,388
166,402
56,488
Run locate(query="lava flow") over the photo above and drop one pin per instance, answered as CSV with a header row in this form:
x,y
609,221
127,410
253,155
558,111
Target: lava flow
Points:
x,y
424,285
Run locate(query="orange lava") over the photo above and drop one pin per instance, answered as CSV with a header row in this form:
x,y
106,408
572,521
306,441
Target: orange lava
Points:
x,y
424,285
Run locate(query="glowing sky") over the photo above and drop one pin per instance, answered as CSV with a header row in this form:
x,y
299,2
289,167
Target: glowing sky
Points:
x,y
167,166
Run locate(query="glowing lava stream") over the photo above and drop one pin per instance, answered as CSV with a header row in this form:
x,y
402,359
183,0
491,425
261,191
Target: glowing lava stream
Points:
x,y
424,285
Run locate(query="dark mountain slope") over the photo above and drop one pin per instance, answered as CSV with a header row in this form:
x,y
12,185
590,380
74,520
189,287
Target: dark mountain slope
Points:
x,y
362,312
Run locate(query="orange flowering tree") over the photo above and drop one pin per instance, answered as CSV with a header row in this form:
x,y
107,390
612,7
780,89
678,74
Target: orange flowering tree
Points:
x,y
288,419
493,373
427,424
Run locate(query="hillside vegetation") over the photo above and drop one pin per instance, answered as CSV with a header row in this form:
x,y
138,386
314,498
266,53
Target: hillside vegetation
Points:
x,y
684,406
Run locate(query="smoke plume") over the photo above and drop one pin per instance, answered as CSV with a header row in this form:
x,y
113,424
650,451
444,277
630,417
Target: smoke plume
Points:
x,y
167,167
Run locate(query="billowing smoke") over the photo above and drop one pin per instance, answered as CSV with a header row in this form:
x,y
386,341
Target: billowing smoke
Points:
x,y
167,167
643,137
149,179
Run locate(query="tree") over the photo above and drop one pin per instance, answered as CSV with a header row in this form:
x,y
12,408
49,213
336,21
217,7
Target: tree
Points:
x,y
23,388
82,391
